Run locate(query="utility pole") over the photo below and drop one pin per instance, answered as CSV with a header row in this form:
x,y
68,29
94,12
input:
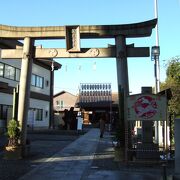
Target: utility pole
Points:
x,y
156,66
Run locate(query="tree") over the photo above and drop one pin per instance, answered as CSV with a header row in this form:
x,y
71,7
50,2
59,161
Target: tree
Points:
x,y
173,82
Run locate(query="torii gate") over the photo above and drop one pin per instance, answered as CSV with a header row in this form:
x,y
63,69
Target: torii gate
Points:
x,y
72,34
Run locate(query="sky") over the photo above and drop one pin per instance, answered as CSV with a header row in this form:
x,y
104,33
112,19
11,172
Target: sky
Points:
x,y
100,12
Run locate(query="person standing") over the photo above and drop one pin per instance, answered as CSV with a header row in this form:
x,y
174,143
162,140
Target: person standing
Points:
x,y
102,122
65,119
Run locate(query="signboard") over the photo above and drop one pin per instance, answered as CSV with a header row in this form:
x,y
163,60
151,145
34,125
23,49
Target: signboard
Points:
x,y
146,107
72,38
98,92
79,123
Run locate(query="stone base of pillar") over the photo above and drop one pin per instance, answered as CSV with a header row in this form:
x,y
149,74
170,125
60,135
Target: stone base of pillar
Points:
x,y
15,153
147,151
26,150
119,154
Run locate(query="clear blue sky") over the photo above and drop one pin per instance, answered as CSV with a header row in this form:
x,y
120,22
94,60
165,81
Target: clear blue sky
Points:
x,y
100,12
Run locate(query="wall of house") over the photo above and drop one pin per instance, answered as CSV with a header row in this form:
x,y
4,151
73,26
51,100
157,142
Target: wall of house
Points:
x,y
46,75
68,99
14,63
39,104
38,70
7,99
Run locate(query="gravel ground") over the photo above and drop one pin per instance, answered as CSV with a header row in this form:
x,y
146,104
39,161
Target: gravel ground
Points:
x,y
42,147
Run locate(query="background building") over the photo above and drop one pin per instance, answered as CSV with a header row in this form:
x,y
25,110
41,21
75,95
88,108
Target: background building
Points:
x,y
65,100
40,112
61,101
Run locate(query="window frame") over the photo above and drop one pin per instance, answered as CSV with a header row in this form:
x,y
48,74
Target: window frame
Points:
x,y
8,69
17,75
61,104
2,70
37,81
3,112
14,77
39,114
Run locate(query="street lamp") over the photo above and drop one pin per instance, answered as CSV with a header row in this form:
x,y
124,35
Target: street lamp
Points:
x,y
155,53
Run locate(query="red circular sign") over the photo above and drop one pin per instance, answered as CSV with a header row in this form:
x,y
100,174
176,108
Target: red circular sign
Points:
x,y
145,107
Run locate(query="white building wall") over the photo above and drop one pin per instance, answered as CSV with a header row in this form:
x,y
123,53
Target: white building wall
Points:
x,y
43,73
39,104
7,99
14,63
38,70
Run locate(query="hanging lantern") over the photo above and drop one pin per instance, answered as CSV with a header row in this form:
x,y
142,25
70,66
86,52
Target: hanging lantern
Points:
x,y
107,93
100,86
79,67
94,66
52,66
103,86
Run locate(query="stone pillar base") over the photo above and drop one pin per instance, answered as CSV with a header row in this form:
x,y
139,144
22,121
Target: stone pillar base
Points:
x,y
119,154
148,151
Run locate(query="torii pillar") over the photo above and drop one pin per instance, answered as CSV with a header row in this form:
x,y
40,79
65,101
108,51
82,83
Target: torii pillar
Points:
x,y
123,85
24,88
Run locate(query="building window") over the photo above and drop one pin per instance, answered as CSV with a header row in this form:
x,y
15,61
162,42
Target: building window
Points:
x,y
62,104
37,81
39,114
1,69
18,74
33,80
9,72
4,111
57,103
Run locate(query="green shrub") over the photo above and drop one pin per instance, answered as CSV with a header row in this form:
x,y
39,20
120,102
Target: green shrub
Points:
x,y
13,133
